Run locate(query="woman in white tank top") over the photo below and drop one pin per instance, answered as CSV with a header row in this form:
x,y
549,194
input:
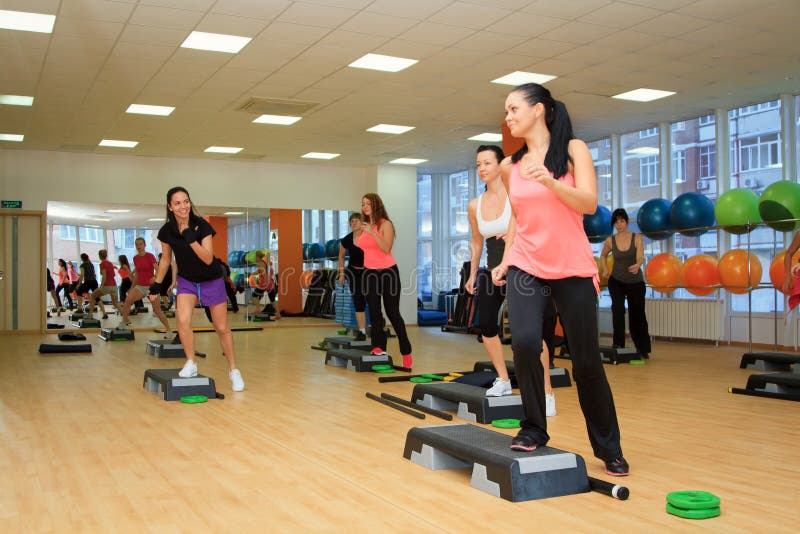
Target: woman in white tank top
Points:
x,y
489,215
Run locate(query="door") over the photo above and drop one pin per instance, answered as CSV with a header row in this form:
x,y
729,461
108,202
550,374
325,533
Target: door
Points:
x,y
22,268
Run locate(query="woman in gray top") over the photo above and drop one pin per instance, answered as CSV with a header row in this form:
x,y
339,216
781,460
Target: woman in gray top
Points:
x,y
626,281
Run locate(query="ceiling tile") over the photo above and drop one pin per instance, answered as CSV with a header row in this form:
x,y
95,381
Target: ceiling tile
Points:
x,y
489,41
164,17
471,16
314,15
378,24
134,33
87,28
414,9
671,25
570,10
620,15
188,5
578,32
102,10
528,25
263,9
436,34
230,25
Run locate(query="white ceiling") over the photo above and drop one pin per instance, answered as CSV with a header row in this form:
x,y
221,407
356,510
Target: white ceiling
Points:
x,y
104,55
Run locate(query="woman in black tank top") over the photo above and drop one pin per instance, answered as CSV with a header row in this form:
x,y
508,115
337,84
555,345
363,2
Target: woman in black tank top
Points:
x,y
354,274
626,282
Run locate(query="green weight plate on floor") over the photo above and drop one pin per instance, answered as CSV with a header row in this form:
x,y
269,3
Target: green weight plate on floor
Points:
x,y
194,399
381,367
385,371
693,514
342,332
693,500
506,423
420,379
432,377
636,362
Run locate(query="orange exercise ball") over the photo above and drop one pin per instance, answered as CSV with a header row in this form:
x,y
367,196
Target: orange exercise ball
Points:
x,y
609,266
305,279
733,271
664,272
700,275
251,280
777,275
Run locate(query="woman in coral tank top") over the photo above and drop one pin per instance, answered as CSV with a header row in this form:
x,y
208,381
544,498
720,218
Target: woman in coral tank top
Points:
x,y
551,183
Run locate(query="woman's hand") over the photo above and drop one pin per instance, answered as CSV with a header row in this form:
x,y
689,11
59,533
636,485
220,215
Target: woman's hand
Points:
x,y
365,227
341,278
469,286
633,269
499,274
538,173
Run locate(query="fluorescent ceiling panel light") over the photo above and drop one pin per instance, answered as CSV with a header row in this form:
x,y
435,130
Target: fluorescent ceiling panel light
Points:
x,y
382,63
118,144
643,95
24,21
224,149
118,211
105,219
391,128
233,213
11,137
90,226
408,161
16,100
519,77
320,155
144,109
156,219
487,137
284,120
643,151
215,42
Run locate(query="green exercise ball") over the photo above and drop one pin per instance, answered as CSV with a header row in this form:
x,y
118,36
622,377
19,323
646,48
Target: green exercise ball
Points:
x,y
781,201
735,209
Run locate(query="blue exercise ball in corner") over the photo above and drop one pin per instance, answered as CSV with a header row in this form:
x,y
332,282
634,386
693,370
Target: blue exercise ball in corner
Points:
x,y
692,210
598,225
653,219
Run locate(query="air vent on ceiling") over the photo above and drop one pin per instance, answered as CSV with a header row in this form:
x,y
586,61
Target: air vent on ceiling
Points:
x,y
277,106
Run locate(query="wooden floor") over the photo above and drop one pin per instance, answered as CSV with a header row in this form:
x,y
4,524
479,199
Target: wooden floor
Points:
x,y
85,448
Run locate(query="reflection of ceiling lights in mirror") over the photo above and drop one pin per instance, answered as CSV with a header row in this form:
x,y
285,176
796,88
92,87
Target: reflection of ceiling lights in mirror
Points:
x,y
487,137
382,63
390,128
408,161
157,219
215,42
320,155
283,120
24,21
116,143
144,109
118,211
11,137
643,151
519,77
643,95
233,213
224,149
16,100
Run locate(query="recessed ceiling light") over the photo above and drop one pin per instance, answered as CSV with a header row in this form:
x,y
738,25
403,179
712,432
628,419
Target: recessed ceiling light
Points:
x,y
487,137
156,219
408,161
90,226
11,137
383,63
643,95
16,100
390,128
118,211
118,144
519,77
215,42
284,120
233,213
643,151
144,109
320,155
224,149
29,22
105,219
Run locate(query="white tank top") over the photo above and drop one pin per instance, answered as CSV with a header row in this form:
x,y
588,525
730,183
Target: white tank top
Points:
x,y
497,226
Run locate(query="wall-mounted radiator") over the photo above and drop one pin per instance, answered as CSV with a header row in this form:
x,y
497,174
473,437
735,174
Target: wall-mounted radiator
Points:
x,y
686,318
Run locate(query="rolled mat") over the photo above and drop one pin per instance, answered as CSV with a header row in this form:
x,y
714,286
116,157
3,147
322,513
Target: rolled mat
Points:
x,y
69,336
45,348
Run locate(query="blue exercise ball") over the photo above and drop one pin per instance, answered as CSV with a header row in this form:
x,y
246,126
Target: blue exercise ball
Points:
x,y
232,259
653,219
331,248
598,225
316,251
692,213
306,248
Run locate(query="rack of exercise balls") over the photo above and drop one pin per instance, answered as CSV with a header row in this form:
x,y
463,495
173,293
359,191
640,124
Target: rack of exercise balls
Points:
x,y
318,279
737,211
242,264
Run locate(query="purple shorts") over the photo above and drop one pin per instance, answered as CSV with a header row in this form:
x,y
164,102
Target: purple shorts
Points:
x,y
208,293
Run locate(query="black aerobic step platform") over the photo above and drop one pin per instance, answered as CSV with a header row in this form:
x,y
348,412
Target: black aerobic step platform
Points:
x,y
164,348
559,377
780,383
612,355
769,361
469,402
347,342
116,334
496,469
169,386
355,360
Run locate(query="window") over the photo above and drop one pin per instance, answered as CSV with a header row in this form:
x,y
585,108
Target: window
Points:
x,y
424,218
706,120
650,132
459,200
424,241
648,171
679,166
66,232
708,162
760,152
678,126
91,235
601,156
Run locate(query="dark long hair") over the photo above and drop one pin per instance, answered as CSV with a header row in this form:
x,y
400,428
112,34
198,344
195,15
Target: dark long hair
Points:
x,y
558,123
378,209
194,218
498,152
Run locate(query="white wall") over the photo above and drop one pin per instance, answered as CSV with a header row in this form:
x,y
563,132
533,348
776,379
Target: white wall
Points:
x,y
36,177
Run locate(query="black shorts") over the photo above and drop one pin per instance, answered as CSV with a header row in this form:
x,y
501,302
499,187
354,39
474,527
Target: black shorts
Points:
x,y
86,287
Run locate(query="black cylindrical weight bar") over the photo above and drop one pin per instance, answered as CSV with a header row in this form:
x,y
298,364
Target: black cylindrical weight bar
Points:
x,y
437,413
607,488
396,406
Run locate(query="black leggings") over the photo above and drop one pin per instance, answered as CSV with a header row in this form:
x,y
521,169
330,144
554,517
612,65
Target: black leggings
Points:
x,y
355,279
576,299
124,287
490,298
67,288
385,283
637,319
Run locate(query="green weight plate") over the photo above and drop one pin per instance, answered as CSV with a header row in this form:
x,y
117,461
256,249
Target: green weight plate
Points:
x,y
420,379
385,371
693,514
637,362
506,423
693,500
381,367
194,399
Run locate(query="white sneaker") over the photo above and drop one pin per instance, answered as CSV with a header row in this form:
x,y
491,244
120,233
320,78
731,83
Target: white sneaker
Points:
x,y
189,370
499,388
169,335
124,324
549,405
237,384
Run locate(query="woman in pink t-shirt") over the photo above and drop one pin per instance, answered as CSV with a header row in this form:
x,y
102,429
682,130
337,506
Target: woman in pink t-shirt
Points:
x,y
551,183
